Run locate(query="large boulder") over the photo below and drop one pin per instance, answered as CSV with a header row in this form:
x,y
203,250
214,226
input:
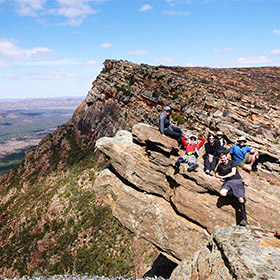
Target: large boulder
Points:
x,y
234,253
179,210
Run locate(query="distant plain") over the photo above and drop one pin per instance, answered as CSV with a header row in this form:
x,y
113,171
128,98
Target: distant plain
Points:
x,y
24,123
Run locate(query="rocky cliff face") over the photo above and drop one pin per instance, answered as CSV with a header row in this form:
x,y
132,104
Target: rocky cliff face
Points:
x,y
181,212
236,101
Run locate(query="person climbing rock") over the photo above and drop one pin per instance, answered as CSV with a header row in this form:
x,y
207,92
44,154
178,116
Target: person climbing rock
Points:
x,y
233,185
191,155
244,156
165,127
211,156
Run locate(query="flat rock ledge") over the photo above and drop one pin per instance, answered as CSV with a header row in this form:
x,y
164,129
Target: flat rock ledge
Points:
x,y
181,212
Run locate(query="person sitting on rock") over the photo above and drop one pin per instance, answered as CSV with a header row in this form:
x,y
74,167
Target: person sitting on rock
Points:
x,y
165,127
239,154
222,140
233,185
211,156
191,155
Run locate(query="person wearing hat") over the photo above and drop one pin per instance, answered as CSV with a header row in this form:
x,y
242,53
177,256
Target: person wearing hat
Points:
x,y
221,139
233,184
191,155
165,127
239,154
211,156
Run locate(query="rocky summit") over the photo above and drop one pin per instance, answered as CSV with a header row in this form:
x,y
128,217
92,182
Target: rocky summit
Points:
x,y
49,224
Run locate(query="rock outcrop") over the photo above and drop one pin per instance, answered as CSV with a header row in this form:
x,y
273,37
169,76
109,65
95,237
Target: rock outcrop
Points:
x,y
234,253
178,210
141,178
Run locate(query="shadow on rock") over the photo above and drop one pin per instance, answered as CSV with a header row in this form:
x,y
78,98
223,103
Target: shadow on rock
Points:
x,y
162,266
224,201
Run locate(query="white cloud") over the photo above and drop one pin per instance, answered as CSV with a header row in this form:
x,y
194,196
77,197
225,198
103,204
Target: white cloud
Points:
x,y
223,50
37,52
92,62
254,60
29,7
4,63
74,9
145,8
73,22
11,77
166,60
173,2
276,51
176,13
139,52
106,45
55,75
276,31
9,49
50,62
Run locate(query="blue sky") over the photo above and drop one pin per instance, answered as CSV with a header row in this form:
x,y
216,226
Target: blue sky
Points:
x,y
54,48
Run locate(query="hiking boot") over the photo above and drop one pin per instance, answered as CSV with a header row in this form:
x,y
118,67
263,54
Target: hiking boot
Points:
x,y
254,168
211,173
243,223
177,163
193,167
207,171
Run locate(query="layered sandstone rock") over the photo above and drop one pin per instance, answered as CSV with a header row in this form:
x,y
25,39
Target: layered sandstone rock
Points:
x,y
234,253
178,210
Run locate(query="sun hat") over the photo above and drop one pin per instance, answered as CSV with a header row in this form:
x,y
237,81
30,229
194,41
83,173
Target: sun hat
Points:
x,y
241,138
219,133
167,108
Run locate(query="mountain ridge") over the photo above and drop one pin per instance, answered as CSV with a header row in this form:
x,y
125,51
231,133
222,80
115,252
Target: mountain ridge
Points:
x,y
236,101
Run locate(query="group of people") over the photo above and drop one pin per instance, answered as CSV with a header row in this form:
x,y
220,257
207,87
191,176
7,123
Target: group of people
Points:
x,y
215,151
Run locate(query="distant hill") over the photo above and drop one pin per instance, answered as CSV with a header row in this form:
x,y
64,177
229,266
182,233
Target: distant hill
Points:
x,y
41,103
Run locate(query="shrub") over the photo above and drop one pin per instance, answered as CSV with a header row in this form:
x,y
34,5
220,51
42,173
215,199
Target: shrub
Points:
x,y
178,118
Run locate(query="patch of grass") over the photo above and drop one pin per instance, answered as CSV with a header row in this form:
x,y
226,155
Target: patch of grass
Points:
x,y
160,77
156,94
81,237
124,91
178,118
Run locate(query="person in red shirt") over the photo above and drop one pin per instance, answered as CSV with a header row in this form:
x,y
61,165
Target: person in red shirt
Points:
x,y
191,155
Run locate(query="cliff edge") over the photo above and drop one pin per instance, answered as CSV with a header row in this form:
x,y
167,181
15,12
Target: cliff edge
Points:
x,y
181,212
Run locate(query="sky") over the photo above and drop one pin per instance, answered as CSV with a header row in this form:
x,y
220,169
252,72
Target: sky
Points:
x,y
55,48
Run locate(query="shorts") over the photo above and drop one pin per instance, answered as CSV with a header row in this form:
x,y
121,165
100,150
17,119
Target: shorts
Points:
x,y
189,158
246,160
237,187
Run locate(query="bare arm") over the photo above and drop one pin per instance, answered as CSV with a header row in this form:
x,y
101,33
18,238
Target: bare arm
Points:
x,y
232,173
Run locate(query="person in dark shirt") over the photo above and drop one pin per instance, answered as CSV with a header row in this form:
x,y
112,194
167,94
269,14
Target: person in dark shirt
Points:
x,y
233,185
211,156
221,139
166,129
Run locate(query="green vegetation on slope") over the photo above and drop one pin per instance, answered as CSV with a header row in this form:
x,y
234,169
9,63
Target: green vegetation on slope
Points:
x,y
56,226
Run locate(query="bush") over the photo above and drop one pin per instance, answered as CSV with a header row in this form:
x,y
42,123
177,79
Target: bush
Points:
x,y
178,118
